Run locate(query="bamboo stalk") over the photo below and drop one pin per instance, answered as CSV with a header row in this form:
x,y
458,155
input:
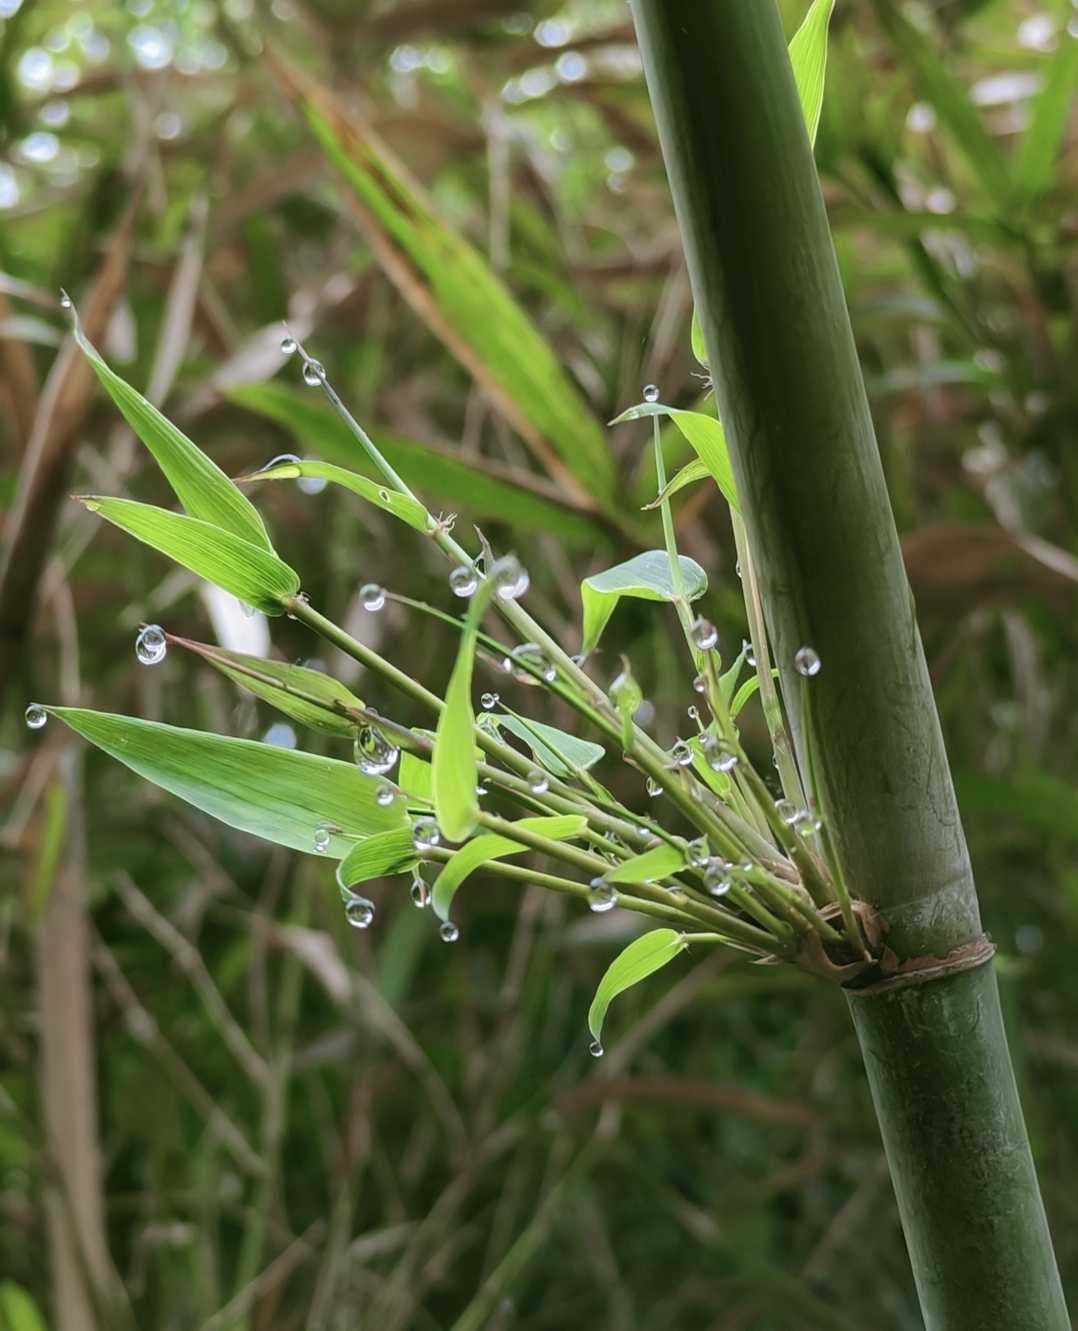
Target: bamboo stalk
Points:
x,y
823,540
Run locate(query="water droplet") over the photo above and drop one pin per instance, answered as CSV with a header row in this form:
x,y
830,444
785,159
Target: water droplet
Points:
x,y
681,755
717,878
807,661
652,787
602,896
719,756
737,568
65,300
151,645
420,891
322,837
595,1049
651,392
809,824
694,714
449,933
359,912
288,345
481,789
36,716
463,581
788,811
699,853
384,796
314,373
282,460
538,781
704,634
511,579
528,661
700,684
750,655
374,754
372,597
426,834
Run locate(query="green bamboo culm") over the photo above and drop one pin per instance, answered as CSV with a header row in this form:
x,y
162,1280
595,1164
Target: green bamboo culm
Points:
x,y
791,396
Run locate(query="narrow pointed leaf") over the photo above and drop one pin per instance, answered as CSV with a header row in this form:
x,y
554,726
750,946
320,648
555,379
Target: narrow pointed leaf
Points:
x,y
558,752
199,484
643,957
808,58
696,339
704,433
310,697
659,862
454,770
750,687
493,846
646,577
281,795
378,856
402,506
696,470
248,571
1048,122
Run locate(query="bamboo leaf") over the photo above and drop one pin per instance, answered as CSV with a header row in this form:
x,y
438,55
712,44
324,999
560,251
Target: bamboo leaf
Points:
x,y
248,571
646,577
484,489
402,506
643,957
1041,141
659,862
414,777
381,855
454,769
696,339
693,471
808,58
18,1311
310,697
280,795
704,433
199,484
744,693
462,300
494,846
560,753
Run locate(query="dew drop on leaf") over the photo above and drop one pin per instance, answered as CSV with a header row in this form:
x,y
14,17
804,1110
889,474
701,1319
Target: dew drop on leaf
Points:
x,y
36,716
151,645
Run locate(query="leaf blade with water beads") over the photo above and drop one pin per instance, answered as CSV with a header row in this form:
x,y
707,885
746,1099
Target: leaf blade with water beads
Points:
x,y
643,957
650,866
495,846
199,484
381,855
248,571
559,752
646,577
308,696
280,795
704,433
402,506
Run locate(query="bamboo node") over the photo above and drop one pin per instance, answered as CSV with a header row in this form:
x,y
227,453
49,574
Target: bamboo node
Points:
x,y
894,974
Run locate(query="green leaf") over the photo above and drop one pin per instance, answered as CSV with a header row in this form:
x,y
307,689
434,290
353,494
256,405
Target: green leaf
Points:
x,y
646,577
454,769
643,957
310,697
402,506
494,846
659,862
1041,141
280,795
560,753
378,856
18,1311
257,577
199,484
485,489
693,471
808,57
744,693
696,339
414,777
463,301
704,433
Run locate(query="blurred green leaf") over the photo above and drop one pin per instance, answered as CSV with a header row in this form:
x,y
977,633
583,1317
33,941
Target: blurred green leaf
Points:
x,y
248,571
383,854
704,433
646,577
643,957
560,753
808,58
18,1311
659,862
199,484
277,794
493,846
402,506
1048,123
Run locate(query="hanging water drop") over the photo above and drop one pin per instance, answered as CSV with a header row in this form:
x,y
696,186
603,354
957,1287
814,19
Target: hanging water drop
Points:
x,y
652,787
65,300
463,581
359,912
651,392
681,755
322,836
372,597
595,1049
704,634
384,796
35,716
314,373
374,754
511,579
602,896
717,878
426,834
527,661
151,645
699,684
788,811
807,661
750,654
719,756
420,891
489,701
449,933
538,781
699,853
288,345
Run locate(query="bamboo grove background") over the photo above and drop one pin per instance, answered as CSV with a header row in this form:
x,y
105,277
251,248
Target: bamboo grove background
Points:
x,y
302,1126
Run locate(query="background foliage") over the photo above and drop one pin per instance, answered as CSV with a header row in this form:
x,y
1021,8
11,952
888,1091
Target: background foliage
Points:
x,y
302,1125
